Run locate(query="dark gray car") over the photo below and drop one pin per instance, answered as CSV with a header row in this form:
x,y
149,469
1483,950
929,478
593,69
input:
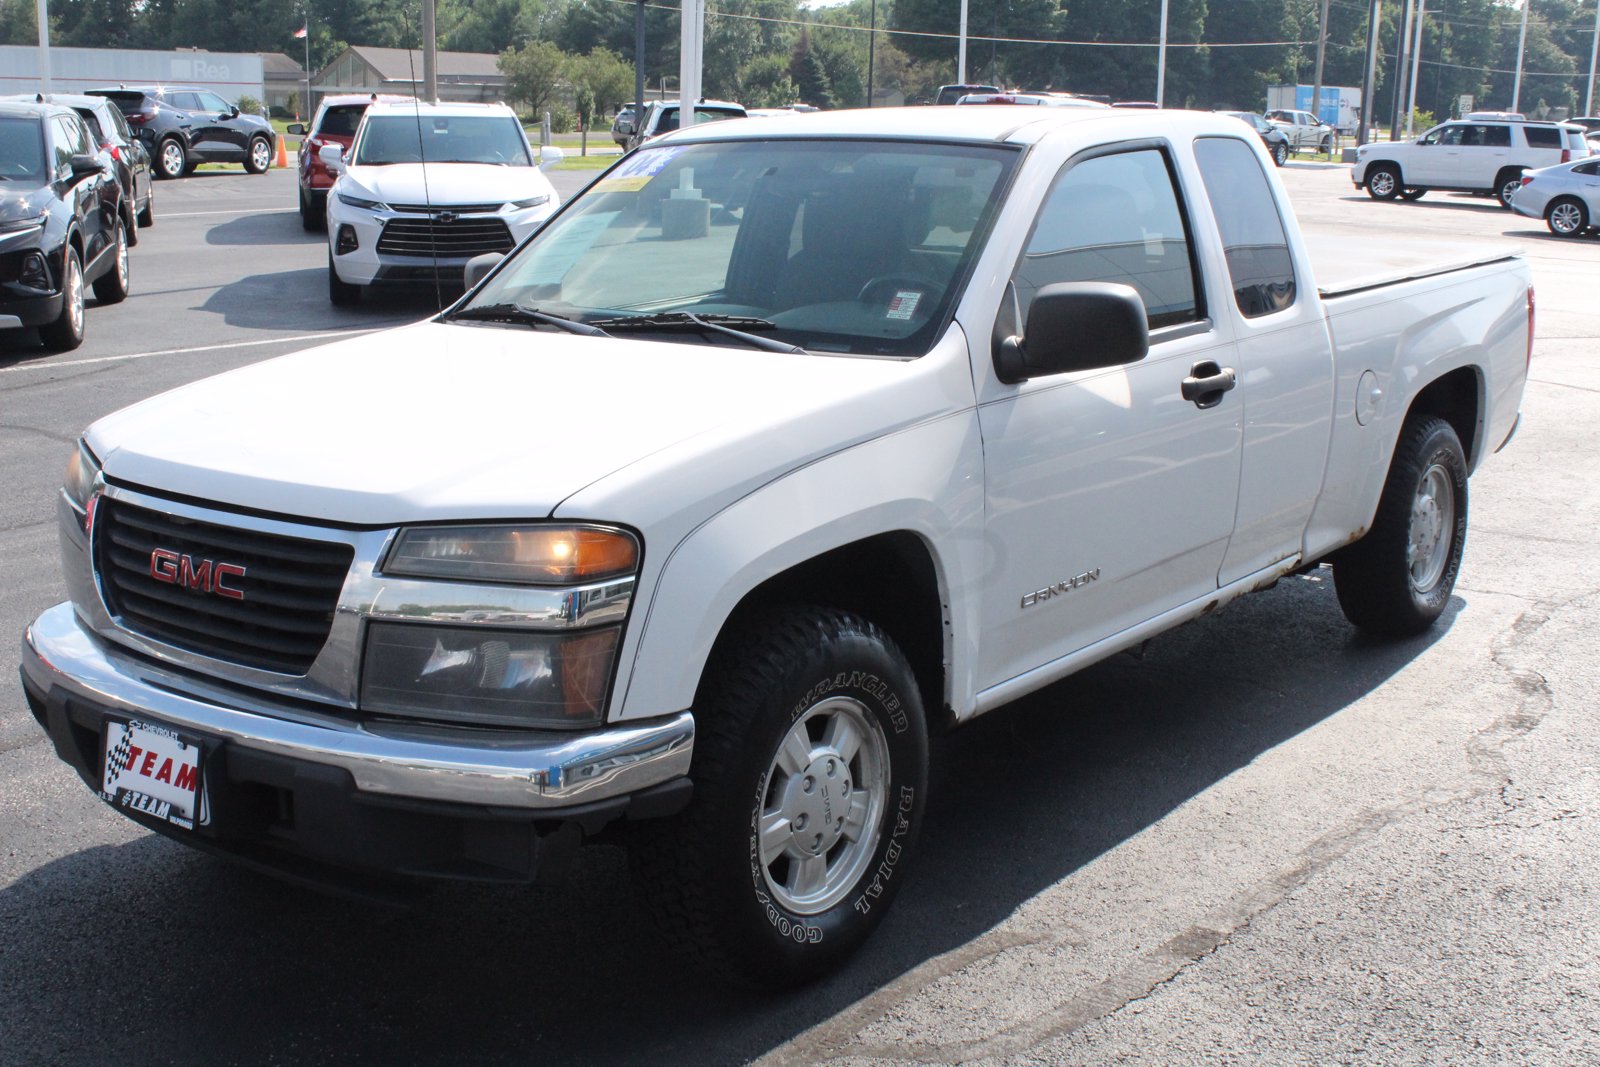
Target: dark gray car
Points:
x,y
184,126
1272,136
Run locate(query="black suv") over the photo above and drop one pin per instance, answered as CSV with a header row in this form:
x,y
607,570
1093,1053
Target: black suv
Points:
x,y
62,223
184,126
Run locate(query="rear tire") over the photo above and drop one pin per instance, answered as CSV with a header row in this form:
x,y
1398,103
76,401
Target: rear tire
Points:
x,y
1383,183
1396,580
1567,217
147,217
1413,194
810,774
171,160
341,293
1506,186
66,332
112,286
1280,153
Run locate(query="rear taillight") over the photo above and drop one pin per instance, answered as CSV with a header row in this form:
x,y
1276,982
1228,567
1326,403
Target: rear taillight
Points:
x,y
1529,364
1526,180
1566,155
116,153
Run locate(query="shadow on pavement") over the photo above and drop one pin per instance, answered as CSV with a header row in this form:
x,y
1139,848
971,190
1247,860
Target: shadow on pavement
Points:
x,y
158,949
298,300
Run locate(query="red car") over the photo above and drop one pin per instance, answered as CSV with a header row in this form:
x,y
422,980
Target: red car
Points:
x,y
335,122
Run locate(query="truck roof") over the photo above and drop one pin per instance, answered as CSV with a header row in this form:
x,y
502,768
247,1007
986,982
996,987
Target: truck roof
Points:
x,y
1020,125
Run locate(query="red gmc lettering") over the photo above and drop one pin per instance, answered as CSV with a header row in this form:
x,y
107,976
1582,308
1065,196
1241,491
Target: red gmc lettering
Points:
x,y
174,568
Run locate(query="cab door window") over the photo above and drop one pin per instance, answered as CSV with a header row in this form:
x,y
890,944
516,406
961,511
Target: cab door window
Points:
x,y
1115,218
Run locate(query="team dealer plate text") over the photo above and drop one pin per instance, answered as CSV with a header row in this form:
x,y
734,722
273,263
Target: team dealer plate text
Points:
x,y
151,769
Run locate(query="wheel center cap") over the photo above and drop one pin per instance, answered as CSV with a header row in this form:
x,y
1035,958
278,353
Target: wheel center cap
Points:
x,y
815,802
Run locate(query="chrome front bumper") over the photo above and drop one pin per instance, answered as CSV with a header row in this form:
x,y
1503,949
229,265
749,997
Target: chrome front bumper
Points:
x,y
541,772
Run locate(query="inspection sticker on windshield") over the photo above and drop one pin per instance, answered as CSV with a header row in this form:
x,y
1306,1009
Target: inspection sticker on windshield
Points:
x,y
904,304
635,172
151,769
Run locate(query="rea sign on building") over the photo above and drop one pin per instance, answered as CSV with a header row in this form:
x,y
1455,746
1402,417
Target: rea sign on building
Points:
x,y
228,74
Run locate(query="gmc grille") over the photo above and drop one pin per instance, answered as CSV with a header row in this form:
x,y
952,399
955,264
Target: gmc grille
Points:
x,y
290,586
460,239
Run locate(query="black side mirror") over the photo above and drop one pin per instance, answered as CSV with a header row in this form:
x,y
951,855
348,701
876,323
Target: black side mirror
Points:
x,y
1075,326
233,111
85,165
298,129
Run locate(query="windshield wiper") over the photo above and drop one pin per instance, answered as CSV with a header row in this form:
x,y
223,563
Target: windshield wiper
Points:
x,y
517,313
724,324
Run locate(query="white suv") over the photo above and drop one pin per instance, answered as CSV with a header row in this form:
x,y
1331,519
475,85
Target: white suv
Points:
x,y
1474,155
426,187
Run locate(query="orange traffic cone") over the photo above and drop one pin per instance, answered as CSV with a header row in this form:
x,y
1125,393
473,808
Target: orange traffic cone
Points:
x,y
283,153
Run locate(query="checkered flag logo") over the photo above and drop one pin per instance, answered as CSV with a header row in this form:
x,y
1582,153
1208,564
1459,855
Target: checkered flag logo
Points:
x,y
117,758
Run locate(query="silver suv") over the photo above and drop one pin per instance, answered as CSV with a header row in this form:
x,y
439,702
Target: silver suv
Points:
x,y
1474,155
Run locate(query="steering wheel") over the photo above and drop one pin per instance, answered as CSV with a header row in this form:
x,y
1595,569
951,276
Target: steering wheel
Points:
x,y
869,292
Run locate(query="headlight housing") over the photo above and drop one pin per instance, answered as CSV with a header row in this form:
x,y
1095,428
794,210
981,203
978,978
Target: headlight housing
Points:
x,y
488,677
361,202
532,201
82,470
518,555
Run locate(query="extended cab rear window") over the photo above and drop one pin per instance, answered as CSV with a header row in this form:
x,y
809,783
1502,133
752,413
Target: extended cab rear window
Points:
x,y
1253,238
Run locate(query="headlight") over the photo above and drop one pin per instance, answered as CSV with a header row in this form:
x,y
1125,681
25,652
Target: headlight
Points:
x,y
519,555
82,469
532,201
356,201
488,676
18,225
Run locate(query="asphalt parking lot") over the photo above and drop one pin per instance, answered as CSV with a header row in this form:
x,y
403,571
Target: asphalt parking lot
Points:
x,y
1264,840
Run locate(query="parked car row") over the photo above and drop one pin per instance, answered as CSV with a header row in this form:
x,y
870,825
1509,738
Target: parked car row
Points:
x,y
67,217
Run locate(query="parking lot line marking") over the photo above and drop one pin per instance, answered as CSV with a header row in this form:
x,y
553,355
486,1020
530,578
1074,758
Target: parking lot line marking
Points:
x,y
199,348
193,214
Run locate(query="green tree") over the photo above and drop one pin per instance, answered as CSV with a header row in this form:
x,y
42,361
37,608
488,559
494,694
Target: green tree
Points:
x,y
600,80
765,82
810,80
532,74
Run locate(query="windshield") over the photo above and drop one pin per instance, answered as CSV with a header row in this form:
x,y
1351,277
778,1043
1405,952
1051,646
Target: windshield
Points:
x,y
840,246
442,139
21,150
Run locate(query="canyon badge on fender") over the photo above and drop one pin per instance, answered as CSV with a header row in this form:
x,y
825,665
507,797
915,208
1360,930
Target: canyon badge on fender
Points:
x,y
1061,588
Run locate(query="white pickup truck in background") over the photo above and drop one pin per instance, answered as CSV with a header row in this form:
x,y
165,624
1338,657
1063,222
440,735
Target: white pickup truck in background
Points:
x,y
785,443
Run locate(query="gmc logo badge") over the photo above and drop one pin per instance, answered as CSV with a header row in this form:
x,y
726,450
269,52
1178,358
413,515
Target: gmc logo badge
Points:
x,y
205,576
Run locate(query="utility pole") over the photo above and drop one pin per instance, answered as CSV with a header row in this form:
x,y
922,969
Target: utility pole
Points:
x,y
1401,44
1594,53
1522,46
638,63
1416,61
430,48
1369,81
1322,50
961,51
43,7
1161,60
872,41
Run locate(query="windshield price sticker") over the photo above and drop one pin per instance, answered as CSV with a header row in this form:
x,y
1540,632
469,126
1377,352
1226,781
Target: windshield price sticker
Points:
x,y
904,304
152,770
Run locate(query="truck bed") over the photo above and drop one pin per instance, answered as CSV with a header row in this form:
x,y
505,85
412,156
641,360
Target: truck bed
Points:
x,y
1346,265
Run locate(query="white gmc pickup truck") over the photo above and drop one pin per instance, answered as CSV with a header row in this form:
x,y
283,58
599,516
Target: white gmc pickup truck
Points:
x,y
787,442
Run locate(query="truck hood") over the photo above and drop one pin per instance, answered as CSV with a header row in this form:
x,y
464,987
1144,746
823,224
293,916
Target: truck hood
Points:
x,y
446,183
457,422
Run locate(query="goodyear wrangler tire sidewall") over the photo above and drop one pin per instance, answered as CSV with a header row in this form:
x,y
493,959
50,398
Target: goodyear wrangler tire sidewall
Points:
x,y
842,927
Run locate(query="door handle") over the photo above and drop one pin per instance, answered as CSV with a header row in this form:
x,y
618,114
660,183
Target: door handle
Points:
x,y
1207,382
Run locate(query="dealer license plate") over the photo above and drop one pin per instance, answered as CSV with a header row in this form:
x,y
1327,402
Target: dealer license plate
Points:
x,y
152,770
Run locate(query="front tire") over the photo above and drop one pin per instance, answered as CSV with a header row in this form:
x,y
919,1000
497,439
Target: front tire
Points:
x,y
1396,580
1383,183
66,332
1567,217
1413,194
810,772
112,286
171,160
259,157
1280,153
340,292
147,217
